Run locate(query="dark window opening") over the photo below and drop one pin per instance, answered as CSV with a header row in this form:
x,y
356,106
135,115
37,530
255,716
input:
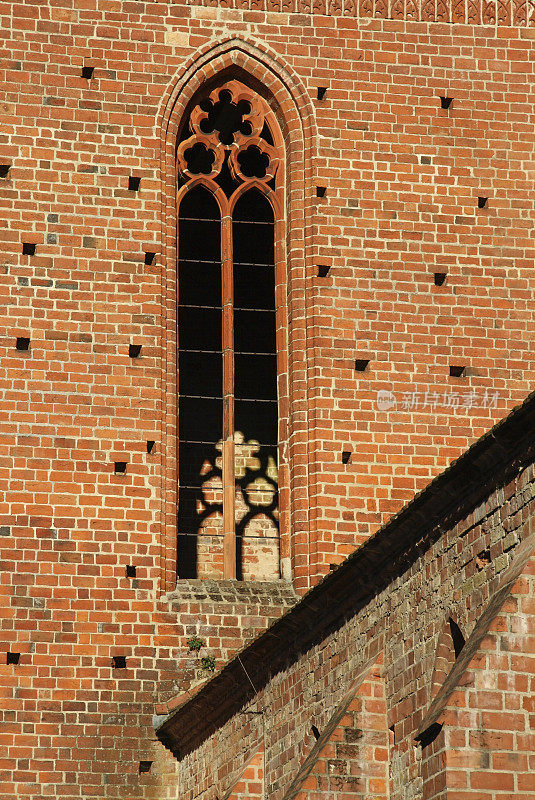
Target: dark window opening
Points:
x,y
200,373
209,391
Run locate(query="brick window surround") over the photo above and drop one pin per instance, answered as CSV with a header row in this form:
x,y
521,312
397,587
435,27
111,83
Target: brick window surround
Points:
x,y
288,101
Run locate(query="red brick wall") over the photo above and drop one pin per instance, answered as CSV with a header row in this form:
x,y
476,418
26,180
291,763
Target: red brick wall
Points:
x,y
489,723
486,743
402,178
251,782
354,760
76,403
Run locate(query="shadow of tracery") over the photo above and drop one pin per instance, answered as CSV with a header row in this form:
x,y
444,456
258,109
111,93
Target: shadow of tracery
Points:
x,y
256,498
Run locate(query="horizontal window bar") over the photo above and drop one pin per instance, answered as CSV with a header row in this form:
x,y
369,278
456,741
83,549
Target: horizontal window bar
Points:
x,y
190,305
236,308
252,264
238,536
188,487
236,352
199,219
218,219
187,350
198,261
238,399
251,222
218,263
213,444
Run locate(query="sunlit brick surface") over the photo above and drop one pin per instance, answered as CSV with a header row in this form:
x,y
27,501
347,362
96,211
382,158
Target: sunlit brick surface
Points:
x,y
402,177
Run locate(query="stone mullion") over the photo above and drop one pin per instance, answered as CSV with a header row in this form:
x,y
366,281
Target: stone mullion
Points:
x,y
229,491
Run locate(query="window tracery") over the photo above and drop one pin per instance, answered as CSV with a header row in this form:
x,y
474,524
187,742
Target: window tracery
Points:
x,y
229,131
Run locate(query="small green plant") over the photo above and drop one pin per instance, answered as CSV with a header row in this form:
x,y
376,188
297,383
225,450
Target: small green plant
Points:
x,y
195,643
208,663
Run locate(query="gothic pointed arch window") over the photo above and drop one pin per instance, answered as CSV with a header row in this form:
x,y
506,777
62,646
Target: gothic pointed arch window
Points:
x,y
230,351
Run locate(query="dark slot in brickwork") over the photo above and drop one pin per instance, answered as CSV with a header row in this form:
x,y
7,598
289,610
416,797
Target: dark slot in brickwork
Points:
x,y
445,102
28,248
457,370
361,364
134,183
120,467
12,658
457,637
428,736
323,270
87,72
118,662
22,343
134,350
321,92
440,278
483,559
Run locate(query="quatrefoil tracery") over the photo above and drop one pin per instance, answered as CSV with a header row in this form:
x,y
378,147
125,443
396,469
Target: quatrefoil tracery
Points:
x,y
230,125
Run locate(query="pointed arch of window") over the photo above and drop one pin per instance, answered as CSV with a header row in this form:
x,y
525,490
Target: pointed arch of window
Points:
x,y
230,180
